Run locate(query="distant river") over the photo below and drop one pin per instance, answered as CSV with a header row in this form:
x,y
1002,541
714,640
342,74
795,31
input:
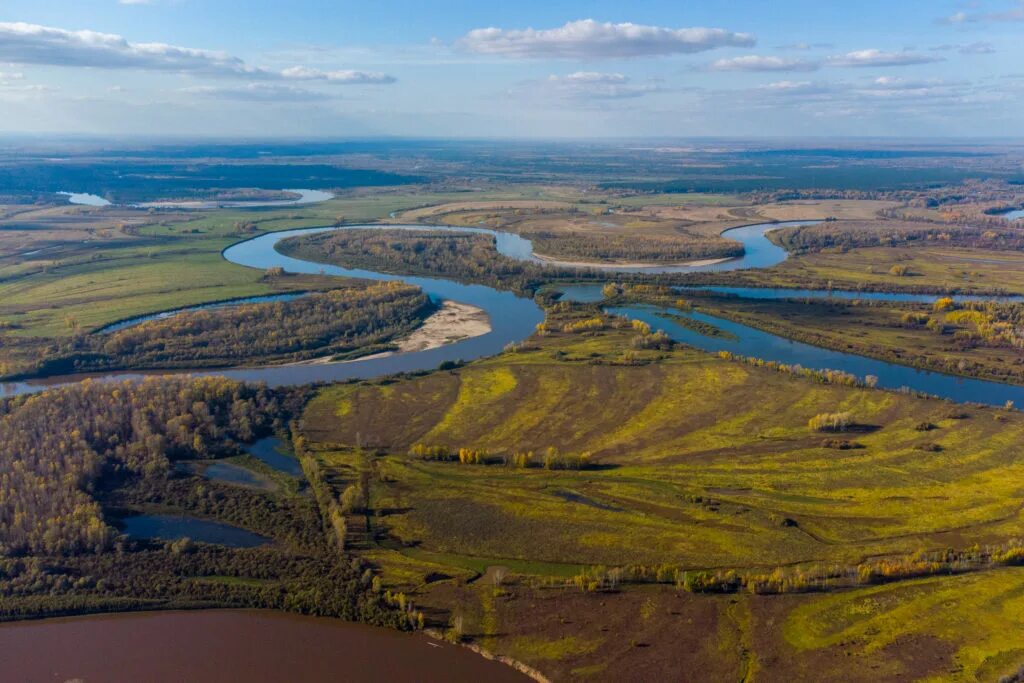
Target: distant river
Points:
x,y
85,199
231,645
305,197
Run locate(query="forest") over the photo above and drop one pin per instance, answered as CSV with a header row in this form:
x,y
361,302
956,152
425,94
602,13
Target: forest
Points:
x,y
466,257
56,446
73,458
650,248
333,323
836,235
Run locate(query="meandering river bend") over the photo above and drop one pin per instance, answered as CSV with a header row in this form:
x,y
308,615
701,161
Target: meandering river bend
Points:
x,y
514,318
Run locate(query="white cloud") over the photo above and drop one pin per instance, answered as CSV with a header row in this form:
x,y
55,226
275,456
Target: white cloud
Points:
x,y
952,19
763,63
873,58
135,2
303,73
799,88
22,43
18,92
978,48
1013,14
584,87
259,92
805,46
589,39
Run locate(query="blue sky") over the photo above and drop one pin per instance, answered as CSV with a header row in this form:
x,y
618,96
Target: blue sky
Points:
x,y
313,68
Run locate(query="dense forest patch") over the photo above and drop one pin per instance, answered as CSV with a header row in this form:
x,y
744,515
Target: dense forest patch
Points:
x,y
334,323
73,458
56,446
842,235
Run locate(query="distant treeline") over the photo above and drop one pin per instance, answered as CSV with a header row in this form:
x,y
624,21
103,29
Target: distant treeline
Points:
x,y
849,235
331,323
134,181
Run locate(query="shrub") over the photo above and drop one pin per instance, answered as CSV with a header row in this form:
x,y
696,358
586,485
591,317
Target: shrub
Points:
x,y
840,444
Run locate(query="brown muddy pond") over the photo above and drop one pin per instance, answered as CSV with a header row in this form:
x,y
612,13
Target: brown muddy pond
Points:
x,y
219,646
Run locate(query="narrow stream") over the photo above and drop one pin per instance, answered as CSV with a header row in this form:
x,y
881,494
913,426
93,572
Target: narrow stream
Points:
x,y
748,341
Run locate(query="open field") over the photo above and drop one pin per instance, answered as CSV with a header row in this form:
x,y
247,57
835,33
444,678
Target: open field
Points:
x,y
695,462
663,451
931,268
840,209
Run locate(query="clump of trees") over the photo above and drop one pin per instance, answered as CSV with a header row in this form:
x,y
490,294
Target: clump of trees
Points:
x,y
549,459
805,578
831,422
55,446
587,325
337,322
823,376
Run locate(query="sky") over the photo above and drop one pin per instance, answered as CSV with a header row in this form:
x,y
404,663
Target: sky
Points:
x,y
526,69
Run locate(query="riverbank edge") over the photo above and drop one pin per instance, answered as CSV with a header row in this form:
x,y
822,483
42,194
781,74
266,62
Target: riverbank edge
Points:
x,y
519,666
819,342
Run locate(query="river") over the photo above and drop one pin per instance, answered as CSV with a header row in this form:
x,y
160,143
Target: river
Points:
x,y
231,645
514,318
305,197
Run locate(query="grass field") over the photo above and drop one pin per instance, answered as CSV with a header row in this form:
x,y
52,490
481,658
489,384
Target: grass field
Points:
x,y
931,269
698,462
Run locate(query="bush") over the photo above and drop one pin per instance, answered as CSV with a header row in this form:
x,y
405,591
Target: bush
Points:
x,y
840,444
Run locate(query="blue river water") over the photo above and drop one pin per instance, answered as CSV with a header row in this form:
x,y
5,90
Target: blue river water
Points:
x,y
748,341
514,318
173,527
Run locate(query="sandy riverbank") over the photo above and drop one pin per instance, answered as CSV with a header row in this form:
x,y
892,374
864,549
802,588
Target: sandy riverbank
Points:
x,y
451,323
550,260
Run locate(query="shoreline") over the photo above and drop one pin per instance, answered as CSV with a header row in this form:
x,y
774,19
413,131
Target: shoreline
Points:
x,y
553,261
452,322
